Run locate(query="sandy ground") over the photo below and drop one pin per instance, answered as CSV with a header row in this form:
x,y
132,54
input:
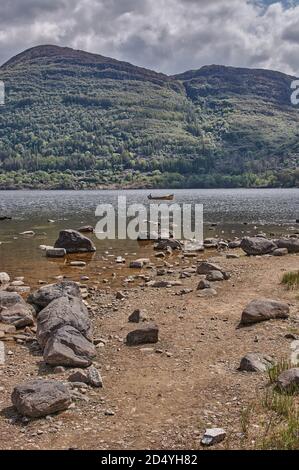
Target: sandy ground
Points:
x,y
163,396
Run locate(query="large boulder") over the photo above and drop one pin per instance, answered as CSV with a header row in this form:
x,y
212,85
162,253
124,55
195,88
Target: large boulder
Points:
x,y
14,310
60,312
68,347
74,242
264,309
143,335
291,244
46,294
254,246
39,398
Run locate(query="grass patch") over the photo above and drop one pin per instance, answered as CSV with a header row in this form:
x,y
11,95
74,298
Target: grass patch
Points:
x,y
291,280
277,369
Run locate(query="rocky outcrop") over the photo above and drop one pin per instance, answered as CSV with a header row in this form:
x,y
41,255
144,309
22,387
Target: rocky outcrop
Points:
x,y
74,242
254,246
46,294
39,398
264,309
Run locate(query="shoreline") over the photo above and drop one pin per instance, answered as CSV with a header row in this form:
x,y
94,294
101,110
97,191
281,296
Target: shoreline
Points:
x,y
165,395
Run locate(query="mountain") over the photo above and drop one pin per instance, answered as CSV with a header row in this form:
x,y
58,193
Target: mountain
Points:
x,y
78,120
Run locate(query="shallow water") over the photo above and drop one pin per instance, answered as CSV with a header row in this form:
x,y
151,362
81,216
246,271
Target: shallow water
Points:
x,y
267,210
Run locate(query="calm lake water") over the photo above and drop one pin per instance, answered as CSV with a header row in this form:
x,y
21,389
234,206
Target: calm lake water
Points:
x,y
267,210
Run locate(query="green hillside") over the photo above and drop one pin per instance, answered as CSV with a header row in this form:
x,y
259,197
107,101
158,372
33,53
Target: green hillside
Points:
x,y
79,120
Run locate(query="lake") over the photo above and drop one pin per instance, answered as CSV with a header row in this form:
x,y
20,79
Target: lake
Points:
x,y
237,212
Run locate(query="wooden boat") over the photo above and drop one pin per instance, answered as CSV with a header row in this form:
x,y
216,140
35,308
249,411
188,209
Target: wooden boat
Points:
x,y
166,197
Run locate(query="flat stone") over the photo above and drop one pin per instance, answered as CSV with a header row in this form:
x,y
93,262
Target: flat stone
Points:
x,y
55,252
280,252
143,335
163,283
264,309
206,267
213,436
39,398
78,264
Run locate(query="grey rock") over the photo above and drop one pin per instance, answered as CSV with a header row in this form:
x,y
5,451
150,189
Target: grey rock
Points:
x,y
214,276
255,362
163,283
68,347
4,279
46,294
213,436
9,299
264,309
143,335
89,376
234,244
55,252
288,381
86,229
137,316
39,398
257,246
291,244
19,315
163,245
2,354
61,312
205,268
280,252
74,242
207,293
203,284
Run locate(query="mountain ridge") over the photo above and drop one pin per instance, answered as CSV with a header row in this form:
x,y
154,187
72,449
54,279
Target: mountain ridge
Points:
x,y
92,121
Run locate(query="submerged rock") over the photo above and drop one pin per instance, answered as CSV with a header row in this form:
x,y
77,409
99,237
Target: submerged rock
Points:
x,y
264,309
74,242
39,398
55,252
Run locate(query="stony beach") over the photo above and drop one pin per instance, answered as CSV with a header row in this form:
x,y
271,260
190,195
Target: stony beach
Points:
x,y
177,357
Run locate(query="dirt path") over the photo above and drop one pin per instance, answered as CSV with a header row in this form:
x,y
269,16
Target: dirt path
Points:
x,y
163,395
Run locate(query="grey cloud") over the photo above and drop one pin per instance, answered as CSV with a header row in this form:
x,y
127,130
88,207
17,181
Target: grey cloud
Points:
x,y
170,36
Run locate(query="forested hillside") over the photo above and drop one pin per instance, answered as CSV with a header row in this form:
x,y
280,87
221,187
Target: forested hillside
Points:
x,y
79,120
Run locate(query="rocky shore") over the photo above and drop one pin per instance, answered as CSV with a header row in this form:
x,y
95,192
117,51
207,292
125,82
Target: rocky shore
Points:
x,y
178,357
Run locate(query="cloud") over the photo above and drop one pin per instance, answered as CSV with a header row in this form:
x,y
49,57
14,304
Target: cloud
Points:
x,y
166,35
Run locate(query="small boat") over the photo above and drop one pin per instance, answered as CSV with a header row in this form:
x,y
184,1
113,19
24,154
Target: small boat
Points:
x,y
166,197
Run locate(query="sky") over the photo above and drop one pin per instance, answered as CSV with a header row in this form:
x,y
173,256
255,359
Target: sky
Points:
x,y
169,36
